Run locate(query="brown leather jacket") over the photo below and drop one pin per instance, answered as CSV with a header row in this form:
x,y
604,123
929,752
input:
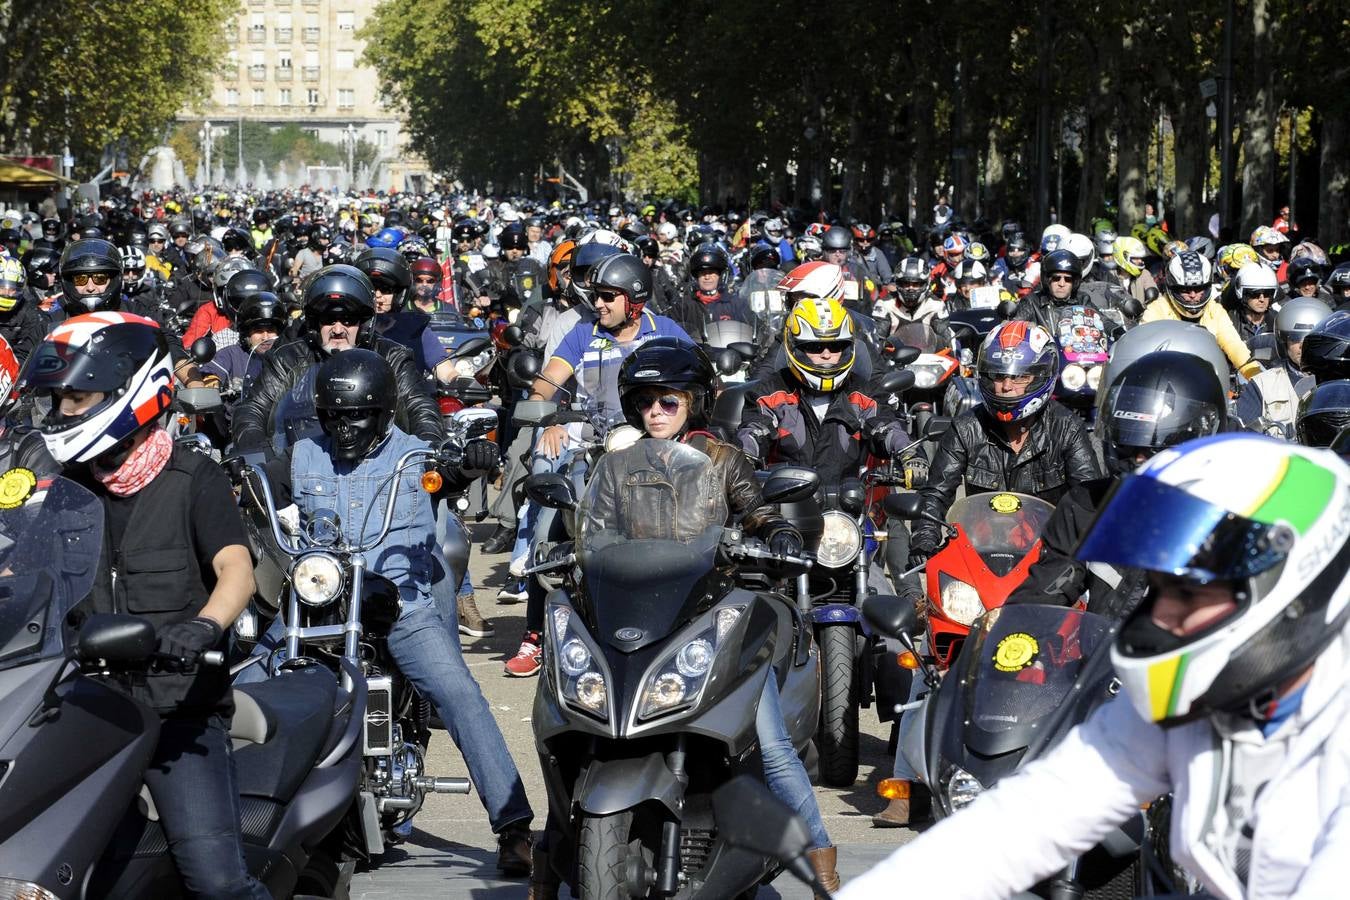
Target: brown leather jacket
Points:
x,y
744,497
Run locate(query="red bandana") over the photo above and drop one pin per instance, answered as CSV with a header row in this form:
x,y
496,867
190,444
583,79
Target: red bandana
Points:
x,y
140,467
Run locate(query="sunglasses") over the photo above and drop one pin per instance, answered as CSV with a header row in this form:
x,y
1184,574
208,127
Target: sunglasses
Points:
x,y
1061,279
812,347
100,279
1260,295
609,296
669,403
350,320
157,240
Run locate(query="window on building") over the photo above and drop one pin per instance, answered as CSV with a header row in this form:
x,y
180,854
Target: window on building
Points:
x,y
311,20
381,137
231,97
345,59
232,59
258,97
311,59
256,58
346,21
346,98
284,97
284,59
257,21
312,98
284,20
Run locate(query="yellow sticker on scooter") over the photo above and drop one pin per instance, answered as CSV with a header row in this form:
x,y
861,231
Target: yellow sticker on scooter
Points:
x,y
1005,503
16,486
1015,652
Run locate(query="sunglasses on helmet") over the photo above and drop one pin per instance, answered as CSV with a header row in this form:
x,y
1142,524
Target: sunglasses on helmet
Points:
x,y
100,279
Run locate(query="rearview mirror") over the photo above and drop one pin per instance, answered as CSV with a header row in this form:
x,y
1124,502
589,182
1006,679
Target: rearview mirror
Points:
x,y
1007,309
791,484
891,616
728,361
470,348
902,354
902,506
203,350
1131,307
116,638
551,490
895,382
1150,294
743,349
524,367
936,426
512,336
532,412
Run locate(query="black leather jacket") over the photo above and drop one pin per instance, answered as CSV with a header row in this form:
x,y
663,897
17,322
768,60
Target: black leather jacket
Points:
x,y
745,499
283,366
1058,454
1042,309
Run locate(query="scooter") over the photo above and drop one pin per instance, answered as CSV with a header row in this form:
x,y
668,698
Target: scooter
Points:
x,y
654,661
75,817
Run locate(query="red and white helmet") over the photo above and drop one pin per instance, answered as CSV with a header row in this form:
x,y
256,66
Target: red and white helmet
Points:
x,y
813,281
122,356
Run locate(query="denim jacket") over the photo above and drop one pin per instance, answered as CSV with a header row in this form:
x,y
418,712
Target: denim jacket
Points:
x,y
408,556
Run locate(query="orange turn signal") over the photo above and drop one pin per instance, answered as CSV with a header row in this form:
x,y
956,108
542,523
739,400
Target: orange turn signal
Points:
x,y
893,789
184,421
907,660
432,481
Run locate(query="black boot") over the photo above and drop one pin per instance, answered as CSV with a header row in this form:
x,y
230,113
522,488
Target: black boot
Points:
x,y
500,540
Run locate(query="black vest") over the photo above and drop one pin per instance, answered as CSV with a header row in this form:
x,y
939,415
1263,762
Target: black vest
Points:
x,y
154,574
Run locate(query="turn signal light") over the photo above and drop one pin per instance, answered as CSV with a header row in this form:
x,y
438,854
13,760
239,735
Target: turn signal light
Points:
x,y
432,481
893,789
907,660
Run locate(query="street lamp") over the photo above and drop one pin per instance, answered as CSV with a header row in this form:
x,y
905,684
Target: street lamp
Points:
x,y
206,147
351,151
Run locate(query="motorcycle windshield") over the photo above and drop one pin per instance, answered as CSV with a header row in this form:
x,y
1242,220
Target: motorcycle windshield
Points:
x,y
1081,333
1002,528
295,417
50,545
721,335
651,519
1027,659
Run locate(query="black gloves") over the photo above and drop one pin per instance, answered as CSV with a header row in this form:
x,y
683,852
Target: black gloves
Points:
x,y
879,436
186,641
916,472
480,458
918,556
786,543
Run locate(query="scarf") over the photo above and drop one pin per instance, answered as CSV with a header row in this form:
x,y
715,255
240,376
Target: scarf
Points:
x,y
140,467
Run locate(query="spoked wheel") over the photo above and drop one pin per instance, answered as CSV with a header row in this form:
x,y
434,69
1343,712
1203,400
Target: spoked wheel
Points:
x,y
837,737
612,861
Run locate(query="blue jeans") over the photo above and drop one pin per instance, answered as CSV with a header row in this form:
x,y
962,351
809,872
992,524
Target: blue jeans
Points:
x,y
425,644
783,769
191,778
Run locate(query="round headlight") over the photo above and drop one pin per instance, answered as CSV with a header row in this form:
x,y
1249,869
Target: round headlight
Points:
x,y
962,788
317,578
961,602
591,692
1073,377
667,691
925,376
1094,378
574,658
694,658
839,542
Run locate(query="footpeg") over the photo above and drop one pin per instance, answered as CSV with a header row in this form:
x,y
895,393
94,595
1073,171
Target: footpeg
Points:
x,y
442,785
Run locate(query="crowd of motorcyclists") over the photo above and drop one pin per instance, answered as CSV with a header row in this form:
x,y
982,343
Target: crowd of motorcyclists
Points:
x,y
1194,464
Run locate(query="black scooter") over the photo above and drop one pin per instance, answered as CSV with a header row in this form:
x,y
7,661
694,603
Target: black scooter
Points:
x,y
75,817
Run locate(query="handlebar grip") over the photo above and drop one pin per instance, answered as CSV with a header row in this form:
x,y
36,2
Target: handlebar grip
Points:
x,y
212,658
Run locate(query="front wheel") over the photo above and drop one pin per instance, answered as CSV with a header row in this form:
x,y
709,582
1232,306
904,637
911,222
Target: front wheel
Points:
x,y
837,737
610,858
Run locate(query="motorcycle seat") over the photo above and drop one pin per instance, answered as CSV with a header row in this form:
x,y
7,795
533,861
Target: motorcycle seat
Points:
x,y
298,707
252,724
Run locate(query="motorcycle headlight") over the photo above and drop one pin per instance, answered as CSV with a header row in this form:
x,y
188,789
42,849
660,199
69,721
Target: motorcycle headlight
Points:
x,y
926,376
23,890
677,680
840,541
317,578
961,602
961,789
1073,377
577,674
1094,378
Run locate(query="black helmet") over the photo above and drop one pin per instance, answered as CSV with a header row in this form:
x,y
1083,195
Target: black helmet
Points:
x,y
261,216
1303,269
136,237
667,362
465,232
240,286
1061,262
237,240
624,272
764,257
1338,282
179,228
1158,401
512,237
836,237
94,257
646,246
257,309
319,233
584,261
335,289
387,270
1017,250
1323,413
1326,349
355,396
39,262
911,281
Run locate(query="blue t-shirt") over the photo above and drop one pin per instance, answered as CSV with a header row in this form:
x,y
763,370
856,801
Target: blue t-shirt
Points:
x,y
595,357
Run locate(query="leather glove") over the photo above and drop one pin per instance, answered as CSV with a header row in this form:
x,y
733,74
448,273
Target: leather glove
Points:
x,y
879,437
186,641
480,458
559,552
918,556
786,543
916,472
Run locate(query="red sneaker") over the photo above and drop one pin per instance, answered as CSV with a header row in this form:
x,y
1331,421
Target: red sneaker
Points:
x,y
528,658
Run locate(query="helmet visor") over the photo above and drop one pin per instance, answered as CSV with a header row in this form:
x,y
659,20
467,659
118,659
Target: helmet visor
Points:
x,y
1145,417
1149,525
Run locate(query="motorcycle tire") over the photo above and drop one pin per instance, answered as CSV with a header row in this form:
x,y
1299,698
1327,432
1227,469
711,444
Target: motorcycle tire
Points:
x,y
837,735
609,853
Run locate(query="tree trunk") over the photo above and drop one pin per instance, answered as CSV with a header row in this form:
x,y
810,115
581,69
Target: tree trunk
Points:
x,y
1333,208
995,175
921,131
1192,162
1096,163
1258,132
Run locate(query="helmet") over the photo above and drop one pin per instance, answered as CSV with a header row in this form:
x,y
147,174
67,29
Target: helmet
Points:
x,y
1017,348
807,248
954,248
977,252
1338,282
1061,262
1202,245
1303,270
813,280
123,356
1105,241
1172,248
9,376
222,275
413,246
1276,535
836,238
1296,319
911,281
671,363
1233,257
93,257
560,258
355,396
971,272
1253,279
1017,250
319,233
864,232
237,240
387,270
389,238
39,262
710,258
180,228
1081,246
584,261
774,228
815,321
1053,237
1326,349
1265,236
339,288
241,285
157,232
1323,413
512,237
205,260
764,257
338,252
1156,240
1126,251
626,273
1188,271
667,232
13,279
1162,399
1309,250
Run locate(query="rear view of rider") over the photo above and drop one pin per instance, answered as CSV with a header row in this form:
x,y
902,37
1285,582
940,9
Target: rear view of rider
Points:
x,y
1233,674
1187,290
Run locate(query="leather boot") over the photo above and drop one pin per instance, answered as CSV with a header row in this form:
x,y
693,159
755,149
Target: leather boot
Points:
x,y
895,815
543,882
822,860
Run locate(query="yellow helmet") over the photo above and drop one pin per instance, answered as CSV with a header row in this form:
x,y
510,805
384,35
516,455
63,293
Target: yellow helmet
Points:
x,y
1233,257
1156,240
1126,250
810,328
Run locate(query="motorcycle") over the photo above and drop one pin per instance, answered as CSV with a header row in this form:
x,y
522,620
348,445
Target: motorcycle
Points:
x,y
1026,675
77,819
1084,339
654,659
933,368
732,346
339,614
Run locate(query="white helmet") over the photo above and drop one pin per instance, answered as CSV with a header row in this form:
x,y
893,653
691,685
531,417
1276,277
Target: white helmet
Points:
x,y
1080,245
1053,237
605,236
1256,277
667,232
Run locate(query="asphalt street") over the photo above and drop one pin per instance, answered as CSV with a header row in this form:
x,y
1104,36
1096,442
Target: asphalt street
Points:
x,y
452,852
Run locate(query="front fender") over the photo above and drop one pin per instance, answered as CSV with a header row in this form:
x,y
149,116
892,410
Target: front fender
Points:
x,y
613,786
837,614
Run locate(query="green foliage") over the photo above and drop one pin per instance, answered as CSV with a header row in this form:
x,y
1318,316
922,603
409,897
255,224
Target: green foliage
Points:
x,y
290,143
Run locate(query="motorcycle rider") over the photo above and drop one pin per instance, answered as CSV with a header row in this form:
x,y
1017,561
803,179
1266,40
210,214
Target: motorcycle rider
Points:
x,y
41,264
1131,268
1326,349
310,259
1233,691
355,395
1255,287
260,319
1013,262
216,318
175,554
709,299
1324,415
1338,285
912,301
391,277
1061,278
1269,399
1187,289
22,324
860,291
867,256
